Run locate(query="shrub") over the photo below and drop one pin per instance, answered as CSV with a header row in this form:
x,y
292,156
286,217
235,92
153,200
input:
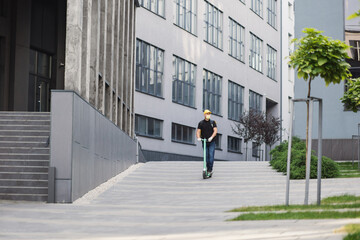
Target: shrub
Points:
x,y
329,169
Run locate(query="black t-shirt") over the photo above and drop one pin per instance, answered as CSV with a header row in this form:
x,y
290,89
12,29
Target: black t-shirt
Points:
x,y
207,128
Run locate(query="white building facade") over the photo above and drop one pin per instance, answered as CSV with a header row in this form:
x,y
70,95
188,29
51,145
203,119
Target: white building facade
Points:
x,y
193,55
288,73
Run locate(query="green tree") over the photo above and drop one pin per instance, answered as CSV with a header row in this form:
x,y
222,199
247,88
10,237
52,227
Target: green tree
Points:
x,y
351,98
317,55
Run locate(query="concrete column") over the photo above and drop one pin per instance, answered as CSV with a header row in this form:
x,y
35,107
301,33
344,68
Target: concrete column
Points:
x,y
22,51
102,57
122,65
109,54
86,48
94,53
74,20
126,64
116,60
132,69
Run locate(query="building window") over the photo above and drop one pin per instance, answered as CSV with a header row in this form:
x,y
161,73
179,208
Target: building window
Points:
x,y
290,102
212,92
290,74
234,144
256,150
346,88
218,141
2,8
156,6
271,62
272,13
290,38
355,50
147,126
149,68
186,15
290,11
213,25
257,7
255,58
235,101
182,134
255,100
236,40
184,79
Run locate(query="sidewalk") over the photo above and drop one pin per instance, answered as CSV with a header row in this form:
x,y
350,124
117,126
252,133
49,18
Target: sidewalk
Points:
x,y
170,200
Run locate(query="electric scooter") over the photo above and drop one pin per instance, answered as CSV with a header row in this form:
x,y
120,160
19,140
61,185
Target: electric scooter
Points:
x,y
205,173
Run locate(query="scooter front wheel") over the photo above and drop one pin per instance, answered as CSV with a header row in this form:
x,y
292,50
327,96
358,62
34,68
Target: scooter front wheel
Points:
x,y
204,175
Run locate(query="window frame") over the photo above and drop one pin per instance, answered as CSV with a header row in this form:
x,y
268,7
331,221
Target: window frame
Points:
x,y
271,58
257,7
150,7
144,70
213,19
183,22
272,16
232,90
190,137
218,141
189,84
210,95
254,96
239,43
146,134
255,56
238,142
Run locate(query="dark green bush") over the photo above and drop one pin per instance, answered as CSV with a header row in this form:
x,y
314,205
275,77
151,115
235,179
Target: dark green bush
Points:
x,y
329,169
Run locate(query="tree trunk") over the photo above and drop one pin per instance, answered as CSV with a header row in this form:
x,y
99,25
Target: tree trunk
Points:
x,y
307,121
246,150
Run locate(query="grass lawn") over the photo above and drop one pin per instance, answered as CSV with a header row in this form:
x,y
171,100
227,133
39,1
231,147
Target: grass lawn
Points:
x,y
348,170
297,215
329,209
353,230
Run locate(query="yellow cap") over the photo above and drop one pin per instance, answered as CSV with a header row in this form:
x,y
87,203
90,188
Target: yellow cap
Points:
x,y
207,111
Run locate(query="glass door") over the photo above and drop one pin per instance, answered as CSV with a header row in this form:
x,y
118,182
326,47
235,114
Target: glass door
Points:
x,y
40,77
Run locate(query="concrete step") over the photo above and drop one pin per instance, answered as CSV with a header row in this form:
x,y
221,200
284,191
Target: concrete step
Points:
x,y
24,138
24,197
24,144
33,176
23,183
24,150
24,190
15,162
4,113
23,169
21,117
25,127
24,122
24,156
24,133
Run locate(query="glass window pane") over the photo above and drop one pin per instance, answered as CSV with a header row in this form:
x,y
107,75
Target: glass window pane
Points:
x,y
43,65
178,132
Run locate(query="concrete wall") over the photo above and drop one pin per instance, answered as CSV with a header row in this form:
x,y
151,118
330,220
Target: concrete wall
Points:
x,y
99,63
288,75
87,149
328,16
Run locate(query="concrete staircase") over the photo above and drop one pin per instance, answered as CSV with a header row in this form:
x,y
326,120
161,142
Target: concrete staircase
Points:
x,y
24,155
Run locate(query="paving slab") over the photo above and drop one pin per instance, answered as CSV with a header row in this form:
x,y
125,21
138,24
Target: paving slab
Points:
x,y
170,200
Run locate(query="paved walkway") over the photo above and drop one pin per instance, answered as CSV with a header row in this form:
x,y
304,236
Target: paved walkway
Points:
x,y
170,200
